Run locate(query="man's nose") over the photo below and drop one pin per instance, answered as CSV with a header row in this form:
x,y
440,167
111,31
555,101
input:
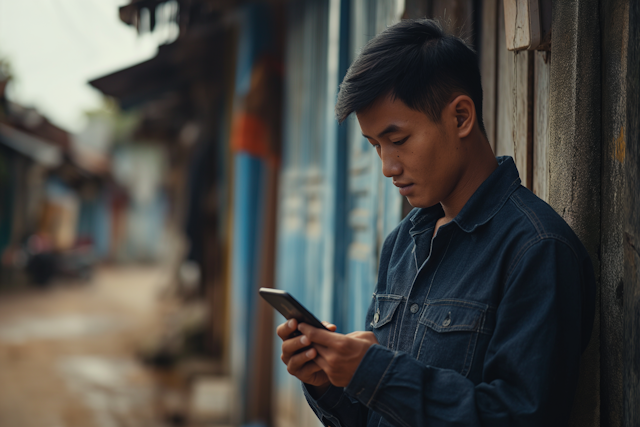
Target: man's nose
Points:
x,y
391,165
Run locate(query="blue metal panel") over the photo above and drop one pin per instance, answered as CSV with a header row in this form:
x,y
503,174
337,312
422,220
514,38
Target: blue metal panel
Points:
x,y
248,177
334,206
362,216
249,193
302,228
374,204
338,157
94,222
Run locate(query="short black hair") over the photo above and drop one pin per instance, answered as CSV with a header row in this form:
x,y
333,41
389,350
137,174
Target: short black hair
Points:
x,y
416,62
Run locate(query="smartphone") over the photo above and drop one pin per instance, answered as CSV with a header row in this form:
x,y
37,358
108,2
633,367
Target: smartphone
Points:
x,y
289,307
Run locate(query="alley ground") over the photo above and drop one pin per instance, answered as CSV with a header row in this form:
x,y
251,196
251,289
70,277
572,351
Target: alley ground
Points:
x,y
67,353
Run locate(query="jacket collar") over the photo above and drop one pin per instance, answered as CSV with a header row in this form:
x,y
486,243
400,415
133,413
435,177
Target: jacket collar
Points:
x,y
483,204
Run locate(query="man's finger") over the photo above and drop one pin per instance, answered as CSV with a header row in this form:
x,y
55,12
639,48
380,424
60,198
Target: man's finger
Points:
x,y
322,363
307,370
293,345
330,326
319,336
298,360
285,330
322,350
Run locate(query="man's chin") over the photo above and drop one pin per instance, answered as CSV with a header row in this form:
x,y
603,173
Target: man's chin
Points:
x,y
421,203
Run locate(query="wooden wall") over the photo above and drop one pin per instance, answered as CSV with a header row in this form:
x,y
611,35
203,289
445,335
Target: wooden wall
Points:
x,y
631,354
515,84
559,136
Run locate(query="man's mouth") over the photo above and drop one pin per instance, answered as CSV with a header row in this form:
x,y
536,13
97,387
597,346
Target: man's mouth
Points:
x,y
404,187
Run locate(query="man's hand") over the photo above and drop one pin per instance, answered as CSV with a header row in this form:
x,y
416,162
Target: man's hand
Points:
x,y
300,363
338,355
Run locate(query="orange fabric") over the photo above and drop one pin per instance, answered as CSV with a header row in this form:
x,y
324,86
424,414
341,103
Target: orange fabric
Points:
x,y
251,135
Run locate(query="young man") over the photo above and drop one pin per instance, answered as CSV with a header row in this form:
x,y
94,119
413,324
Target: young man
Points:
x,y
485,297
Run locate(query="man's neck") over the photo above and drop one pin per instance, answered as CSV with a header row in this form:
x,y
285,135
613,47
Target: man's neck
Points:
x,y
482,163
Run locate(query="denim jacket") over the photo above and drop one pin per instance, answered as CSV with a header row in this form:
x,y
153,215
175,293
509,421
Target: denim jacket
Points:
x,y
481,325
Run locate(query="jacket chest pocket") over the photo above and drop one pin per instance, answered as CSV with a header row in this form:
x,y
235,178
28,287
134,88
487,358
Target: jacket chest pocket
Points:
x,y
450,330
385,308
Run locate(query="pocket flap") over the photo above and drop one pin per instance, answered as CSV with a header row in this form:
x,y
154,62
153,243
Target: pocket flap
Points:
x,y
451,315
385,307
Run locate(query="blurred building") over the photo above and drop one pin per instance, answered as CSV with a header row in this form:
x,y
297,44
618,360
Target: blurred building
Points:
x,y
69,202
265,189
45,188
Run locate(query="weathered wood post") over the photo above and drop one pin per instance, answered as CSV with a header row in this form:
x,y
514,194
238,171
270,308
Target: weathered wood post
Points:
x,y
574,159
631,352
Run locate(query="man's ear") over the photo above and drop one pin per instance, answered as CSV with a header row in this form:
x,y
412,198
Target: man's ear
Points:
x,y
465,114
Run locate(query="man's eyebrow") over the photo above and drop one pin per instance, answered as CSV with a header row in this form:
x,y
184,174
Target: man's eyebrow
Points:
x,y
388,129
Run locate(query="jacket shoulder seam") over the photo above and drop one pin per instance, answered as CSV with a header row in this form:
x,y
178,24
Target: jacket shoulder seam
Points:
x,y
531,243
529,213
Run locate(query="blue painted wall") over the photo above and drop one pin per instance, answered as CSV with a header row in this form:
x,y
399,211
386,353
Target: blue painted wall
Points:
x,y
249,176
335,206
94,221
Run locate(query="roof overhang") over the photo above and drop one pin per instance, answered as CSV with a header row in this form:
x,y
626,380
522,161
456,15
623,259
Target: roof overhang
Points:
x,y
30,146
192,58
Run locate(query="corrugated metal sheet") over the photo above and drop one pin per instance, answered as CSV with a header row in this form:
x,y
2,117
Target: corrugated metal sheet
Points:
x,y
300,269
335,205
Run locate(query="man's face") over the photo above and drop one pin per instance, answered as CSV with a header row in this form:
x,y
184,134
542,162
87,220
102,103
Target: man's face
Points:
x,y
424,159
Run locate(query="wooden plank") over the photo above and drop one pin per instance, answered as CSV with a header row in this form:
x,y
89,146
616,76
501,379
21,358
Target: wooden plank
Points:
x,y
522,24
504,113
542,67
487,49
514,132
575,145
523,132
631,313
612,199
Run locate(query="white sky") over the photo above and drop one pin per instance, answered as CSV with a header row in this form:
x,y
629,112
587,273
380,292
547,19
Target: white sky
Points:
x,y
56,46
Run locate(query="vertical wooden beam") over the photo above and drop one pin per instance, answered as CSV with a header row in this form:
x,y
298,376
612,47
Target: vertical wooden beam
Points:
x,y
514,132
503,144
488,51
541,95
614,131
574,166
523,24
630,153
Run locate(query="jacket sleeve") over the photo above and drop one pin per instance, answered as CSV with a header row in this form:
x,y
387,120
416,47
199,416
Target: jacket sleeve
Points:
x,y
338,409
530,370
335,407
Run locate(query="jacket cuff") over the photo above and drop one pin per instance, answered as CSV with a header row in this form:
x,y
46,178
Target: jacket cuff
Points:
x,y
328,400
370,374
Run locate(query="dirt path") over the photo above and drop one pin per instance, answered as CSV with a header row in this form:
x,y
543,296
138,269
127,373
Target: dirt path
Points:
x,y
67,353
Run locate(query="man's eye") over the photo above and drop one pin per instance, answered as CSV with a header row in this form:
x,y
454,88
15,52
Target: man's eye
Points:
x,y
400,142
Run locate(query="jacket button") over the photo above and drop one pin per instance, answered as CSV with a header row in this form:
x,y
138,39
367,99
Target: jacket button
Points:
x,y
376,317
447,320
414,308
